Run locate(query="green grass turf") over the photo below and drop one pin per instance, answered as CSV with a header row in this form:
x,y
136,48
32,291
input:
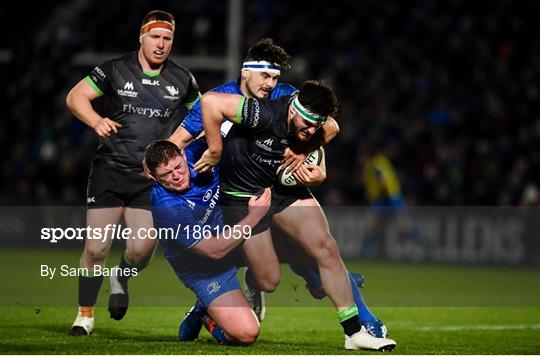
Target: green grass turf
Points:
x,y
429,309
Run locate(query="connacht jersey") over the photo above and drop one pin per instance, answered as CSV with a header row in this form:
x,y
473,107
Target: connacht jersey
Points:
x,y
145,104
253,150
193,121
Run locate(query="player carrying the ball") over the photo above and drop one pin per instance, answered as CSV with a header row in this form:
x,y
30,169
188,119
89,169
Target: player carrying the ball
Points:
x,y
259,80
250,156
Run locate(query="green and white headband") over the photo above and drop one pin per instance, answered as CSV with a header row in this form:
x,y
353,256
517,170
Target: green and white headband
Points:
x,y
306,114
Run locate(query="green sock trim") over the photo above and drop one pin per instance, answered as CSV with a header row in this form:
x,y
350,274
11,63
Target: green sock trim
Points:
x,y
347,313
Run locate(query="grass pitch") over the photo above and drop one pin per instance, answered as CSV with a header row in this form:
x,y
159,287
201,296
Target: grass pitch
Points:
x,y
428,309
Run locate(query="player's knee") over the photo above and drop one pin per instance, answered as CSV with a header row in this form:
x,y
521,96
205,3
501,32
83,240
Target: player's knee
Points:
x,y
140,257
140,252
327,249
94,255
246,335
269,283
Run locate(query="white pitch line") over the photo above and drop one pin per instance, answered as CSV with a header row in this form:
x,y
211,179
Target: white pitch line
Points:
x,y
479,327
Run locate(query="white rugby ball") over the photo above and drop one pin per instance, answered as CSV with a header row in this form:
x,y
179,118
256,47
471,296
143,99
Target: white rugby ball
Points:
x,y
287,179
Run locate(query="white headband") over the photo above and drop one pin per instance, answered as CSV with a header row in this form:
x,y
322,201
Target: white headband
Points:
x,y
261,66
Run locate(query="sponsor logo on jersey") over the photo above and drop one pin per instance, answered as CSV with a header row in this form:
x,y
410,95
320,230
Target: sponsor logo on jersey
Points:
x,y
90,200
128,90
173,92
207,195
147,81
255,114
213,287
100,72
274,163
150,112
211,206
266,144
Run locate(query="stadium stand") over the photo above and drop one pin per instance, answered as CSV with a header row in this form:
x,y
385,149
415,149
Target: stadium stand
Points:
x,y
452,88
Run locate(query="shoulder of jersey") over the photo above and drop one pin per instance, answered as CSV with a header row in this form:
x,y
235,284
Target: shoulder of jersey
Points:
x,y
283,89
230,88
123,58
172,65
287,179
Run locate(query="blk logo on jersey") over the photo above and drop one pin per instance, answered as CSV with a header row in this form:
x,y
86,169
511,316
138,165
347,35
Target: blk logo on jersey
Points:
x,y
154,82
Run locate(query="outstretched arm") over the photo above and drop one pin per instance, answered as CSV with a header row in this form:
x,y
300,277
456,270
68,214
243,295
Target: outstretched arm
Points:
x,y
219,246
216,106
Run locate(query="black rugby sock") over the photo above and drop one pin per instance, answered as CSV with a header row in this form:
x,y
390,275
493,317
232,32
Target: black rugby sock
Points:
x,y
351,326
349,320
89,290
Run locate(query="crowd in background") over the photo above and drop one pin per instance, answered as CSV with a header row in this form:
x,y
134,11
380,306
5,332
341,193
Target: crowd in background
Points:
x,y
449,91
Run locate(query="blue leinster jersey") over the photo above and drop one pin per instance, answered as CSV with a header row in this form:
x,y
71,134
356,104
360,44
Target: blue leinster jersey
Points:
x,y
187,215
193,120
197,208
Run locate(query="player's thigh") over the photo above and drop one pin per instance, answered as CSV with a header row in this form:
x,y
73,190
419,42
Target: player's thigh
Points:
x,y
143,242
102,220
289,250
306,223
232,312
262,260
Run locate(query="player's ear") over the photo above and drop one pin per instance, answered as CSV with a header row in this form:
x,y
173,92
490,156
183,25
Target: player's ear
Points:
x,y
244,75
292,111
183,154
147,172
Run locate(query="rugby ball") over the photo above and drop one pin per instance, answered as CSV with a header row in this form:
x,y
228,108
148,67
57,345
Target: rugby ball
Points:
x,y
287,179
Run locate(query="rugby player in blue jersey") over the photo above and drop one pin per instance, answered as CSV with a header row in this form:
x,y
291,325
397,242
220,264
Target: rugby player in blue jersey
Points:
x,y
187,203
259,80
